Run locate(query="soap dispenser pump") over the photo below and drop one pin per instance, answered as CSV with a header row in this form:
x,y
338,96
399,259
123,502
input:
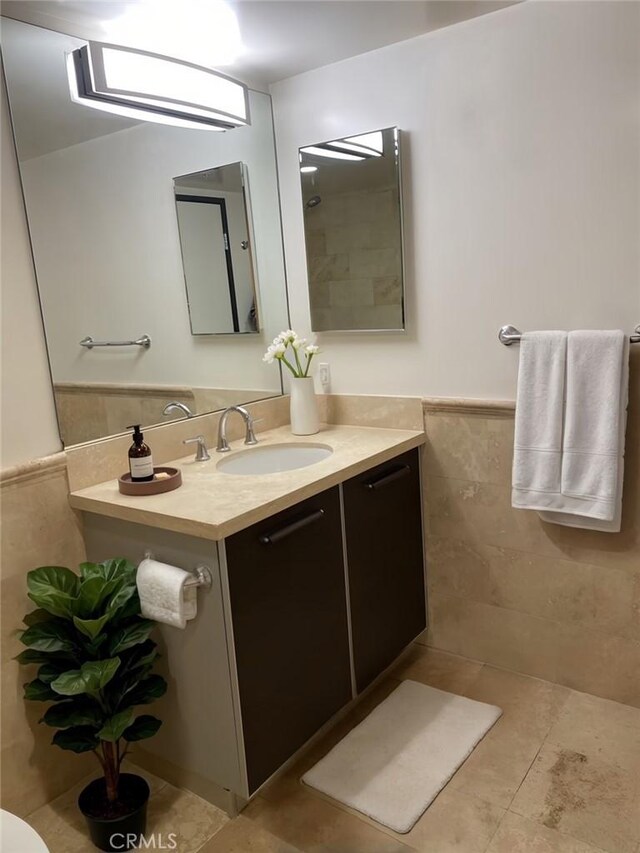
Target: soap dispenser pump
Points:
x,y
140,459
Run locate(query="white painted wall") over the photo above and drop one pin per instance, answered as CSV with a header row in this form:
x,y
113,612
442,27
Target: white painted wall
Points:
x,y
28,427
107,249
522,188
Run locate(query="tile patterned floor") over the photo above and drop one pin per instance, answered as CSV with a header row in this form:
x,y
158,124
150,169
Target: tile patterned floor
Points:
x,y
558,773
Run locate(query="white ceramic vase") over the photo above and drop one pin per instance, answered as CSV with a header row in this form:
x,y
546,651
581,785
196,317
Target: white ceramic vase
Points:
x,y
304,407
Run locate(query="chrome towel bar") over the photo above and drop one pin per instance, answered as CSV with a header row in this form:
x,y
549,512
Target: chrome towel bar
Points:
x,y
142,341
510,335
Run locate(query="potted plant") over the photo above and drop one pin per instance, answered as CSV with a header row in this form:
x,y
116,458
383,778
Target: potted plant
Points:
x,y
304,408
94,660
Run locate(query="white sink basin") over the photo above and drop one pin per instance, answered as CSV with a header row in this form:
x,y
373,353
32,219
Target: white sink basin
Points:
x,y
274,458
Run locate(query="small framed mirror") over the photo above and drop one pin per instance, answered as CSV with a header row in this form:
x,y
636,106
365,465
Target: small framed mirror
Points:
x,y
352,207
214,223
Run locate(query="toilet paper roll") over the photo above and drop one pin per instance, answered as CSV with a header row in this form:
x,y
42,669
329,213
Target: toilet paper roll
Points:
x,y
163,595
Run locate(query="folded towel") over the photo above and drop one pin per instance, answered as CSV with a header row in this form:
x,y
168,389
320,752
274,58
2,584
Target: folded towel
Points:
x,y
537,457
162,592
597,391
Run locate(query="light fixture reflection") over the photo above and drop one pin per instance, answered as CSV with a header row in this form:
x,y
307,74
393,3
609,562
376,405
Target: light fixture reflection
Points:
x,y
156,88
320,151
361,147
308,169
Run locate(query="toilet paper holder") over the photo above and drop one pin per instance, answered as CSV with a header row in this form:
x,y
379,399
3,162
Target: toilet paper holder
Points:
x,y
200,576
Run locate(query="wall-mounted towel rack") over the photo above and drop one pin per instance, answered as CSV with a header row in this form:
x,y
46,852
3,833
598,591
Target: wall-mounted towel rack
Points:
x,y
510,335
142,341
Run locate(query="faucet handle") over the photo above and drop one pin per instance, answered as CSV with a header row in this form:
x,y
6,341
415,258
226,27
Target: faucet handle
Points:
x,y
202,454
250,437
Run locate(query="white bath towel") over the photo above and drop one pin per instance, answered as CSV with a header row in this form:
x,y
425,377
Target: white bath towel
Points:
x,y
163,596
537,457
597,391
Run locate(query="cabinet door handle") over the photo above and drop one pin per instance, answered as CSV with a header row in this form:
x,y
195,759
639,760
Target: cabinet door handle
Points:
x,y
288,529
402,471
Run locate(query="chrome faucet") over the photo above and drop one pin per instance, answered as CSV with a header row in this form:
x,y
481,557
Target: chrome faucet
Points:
x,y
202,454
223,444
179,407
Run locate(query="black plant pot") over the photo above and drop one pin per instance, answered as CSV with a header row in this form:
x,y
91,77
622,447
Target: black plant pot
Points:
x,y
122,832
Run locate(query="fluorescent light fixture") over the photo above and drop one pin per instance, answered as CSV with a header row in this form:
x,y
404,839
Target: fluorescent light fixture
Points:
x,y
307,169
156,88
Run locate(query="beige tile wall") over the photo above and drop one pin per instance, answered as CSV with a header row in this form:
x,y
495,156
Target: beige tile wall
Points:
x,y
37,528
93,410
508,589
354,260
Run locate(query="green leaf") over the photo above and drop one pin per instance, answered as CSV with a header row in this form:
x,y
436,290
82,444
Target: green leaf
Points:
x,y
53,588
108,569
77,739
49,671
38,691
91,627
91,593
139,656
130,635
142,727
122,597
51,636
36,616
146,691
70,683
115,726
90,678
29,656
74,712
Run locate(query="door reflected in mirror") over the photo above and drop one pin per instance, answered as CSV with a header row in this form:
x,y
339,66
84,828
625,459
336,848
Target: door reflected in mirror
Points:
x,y
352,207
216,239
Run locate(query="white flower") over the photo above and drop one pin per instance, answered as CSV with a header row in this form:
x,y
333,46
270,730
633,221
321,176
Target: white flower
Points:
x,y
312,349
298,343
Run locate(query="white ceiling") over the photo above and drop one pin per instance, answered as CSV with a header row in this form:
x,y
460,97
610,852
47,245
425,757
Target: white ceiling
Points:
x,y
281,38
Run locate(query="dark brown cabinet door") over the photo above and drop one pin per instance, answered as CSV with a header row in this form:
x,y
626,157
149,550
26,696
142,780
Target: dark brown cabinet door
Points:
x,y
289,611
383,519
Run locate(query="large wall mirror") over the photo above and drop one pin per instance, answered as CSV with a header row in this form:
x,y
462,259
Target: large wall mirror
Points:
x,y
352,207
122,214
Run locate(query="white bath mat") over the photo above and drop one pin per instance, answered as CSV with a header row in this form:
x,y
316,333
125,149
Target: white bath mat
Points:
x,y
393,764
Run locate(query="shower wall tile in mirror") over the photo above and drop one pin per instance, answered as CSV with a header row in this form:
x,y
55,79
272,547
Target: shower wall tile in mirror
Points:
x,y
352,205
106,222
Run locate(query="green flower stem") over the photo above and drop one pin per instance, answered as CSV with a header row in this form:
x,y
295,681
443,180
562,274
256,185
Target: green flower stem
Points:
x,y
309,357
295,353
290,366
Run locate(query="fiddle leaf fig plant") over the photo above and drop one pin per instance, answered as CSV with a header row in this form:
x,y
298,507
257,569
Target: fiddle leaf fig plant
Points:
x,y
95,660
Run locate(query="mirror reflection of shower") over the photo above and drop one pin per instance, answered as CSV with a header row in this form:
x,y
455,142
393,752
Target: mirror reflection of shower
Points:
x,y
352,215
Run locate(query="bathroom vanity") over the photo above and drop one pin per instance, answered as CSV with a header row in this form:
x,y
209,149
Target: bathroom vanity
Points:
x,y
318,586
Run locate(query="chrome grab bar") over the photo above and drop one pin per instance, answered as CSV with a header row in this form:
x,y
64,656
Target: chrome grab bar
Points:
x,y
510,335
142,341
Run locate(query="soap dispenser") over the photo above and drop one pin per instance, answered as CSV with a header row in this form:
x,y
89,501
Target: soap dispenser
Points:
x,y
140,459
